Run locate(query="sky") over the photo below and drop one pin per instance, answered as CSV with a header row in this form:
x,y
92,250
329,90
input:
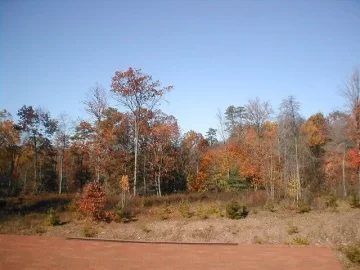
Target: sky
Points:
x,y
214,53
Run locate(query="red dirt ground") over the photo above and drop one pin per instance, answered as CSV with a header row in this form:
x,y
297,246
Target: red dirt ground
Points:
x,y
34,252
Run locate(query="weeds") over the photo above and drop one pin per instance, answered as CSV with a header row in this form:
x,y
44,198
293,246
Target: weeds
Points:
x,y
89,231
331,201
54,219
122,214
164,212
202,212
258,240
299,241
184,209
145,228
303,207
234,210
292,229
269,206
354,201
353,253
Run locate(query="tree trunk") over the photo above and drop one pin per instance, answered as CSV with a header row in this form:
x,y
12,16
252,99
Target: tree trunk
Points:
x,y
144,177
272,191
359,180
35,164
61,174
343,174
159,183
136,153
298,188
25,182
98,169
40,176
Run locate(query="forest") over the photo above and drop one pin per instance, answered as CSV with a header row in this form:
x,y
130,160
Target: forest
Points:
x,y
254,147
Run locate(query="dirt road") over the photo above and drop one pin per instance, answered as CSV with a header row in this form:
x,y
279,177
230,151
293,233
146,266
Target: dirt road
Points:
x,y
33,252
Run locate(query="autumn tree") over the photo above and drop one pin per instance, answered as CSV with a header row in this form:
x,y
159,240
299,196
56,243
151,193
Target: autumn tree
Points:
x,y
194,146
257,113
40,126
164,134
9,150
82,141
336,150
135,90
351,93
315,130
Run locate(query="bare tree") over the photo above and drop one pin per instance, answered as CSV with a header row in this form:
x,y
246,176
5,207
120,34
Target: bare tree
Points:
x,y
257,113
224,134
96,105
96,102
351,93
289,135
63,142
339,143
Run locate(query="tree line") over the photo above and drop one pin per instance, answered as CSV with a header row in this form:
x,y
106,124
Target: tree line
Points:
x,y
253,147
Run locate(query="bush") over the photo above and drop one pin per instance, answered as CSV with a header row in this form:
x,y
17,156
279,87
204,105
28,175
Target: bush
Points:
x,y
122,214
164,212
303,207
354,201
353,253
215,210
258,240
184,209
202,212
53,218
299,241
234,210
89,231
72,206
331,201
292,229
269,206
92,201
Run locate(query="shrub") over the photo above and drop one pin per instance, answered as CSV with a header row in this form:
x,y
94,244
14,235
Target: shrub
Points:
x,y
92,201
258,240
353,253
53,217
145,228
303,207
89,231
184,209
331,201
202,212
292,229
164,212
72,206
40,230
299,241
122,214
269,206
215,210
354,201
236,211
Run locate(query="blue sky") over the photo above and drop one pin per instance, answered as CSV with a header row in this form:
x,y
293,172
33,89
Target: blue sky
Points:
x,y
215,53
